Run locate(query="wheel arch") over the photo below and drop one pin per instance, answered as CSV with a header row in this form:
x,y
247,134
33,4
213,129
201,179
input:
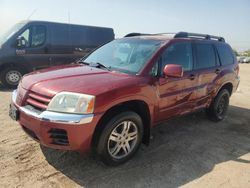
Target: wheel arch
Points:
x,y
12,64
228,86
138,106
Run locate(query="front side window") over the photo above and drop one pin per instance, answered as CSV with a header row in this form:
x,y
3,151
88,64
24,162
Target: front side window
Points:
x,y
128,55
33,37
25,37
180,54
205,56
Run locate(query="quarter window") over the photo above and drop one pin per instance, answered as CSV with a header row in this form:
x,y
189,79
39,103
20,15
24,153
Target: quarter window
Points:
x,y
180,54
205,56
225,54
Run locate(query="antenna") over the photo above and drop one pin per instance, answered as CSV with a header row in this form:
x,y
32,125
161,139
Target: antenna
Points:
x,y
32,13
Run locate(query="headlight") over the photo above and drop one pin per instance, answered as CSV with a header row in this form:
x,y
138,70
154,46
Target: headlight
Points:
x,y
72,103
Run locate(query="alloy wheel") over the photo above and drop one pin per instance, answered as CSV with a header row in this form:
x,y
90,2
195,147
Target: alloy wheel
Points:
x,y
122,139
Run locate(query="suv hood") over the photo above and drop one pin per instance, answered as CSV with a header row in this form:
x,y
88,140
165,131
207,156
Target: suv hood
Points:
x,y
75,78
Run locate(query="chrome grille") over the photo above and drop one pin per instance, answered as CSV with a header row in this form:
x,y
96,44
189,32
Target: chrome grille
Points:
x,y
38,101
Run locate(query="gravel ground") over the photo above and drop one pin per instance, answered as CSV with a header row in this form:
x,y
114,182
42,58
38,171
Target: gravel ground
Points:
x,y
189,151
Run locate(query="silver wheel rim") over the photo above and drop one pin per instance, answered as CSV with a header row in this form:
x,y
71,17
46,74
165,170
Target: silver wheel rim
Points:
x,y
122,139
13,77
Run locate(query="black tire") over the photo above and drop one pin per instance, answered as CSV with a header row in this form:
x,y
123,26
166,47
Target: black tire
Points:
x,y
11,81
219,106
103,147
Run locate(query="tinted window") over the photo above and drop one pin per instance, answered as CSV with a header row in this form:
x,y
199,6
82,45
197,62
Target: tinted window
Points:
x,y
38,36
205,56
180,54
225,54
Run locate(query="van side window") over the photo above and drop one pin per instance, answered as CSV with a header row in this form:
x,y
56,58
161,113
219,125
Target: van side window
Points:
x,y
38,35
25,38
205,56
34,36
179,53
225,54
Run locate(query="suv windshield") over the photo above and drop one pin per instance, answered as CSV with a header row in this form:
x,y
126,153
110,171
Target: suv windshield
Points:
x,y
10,32
127,55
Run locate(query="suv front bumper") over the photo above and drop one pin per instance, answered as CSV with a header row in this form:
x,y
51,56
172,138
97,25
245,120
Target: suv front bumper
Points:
x,y
56,130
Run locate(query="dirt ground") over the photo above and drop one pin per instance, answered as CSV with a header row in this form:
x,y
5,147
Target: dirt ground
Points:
x,y
189,151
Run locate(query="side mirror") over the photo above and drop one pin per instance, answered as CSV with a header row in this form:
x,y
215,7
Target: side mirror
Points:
x,y
20,42
173,70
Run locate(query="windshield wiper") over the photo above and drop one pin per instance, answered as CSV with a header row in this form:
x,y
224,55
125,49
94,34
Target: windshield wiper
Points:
x,y
99,65
94,64
82,62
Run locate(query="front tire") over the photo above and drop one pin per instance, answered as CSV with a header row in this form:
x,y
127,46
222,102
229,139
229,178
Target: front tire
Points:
x,y
219,106
121,138
11,76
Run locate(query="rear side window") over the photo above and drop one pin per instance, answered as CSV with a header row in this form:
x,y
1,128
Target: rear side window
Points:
x,y
225,54
180,54
205,56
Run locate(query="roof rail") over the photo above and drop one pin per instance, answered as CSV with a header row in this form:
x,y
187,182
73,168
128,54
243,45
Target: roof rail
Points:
x,y
198,35
147,34
136,34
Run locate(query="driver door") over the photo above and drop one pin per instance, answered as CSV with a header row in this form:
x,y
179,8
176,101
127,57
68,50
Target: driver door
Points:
x,y
176,95
32,47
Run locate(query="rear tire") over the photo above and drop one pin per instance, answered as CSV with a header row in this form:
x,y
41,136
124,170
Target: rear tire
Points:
x,y
219,106
121,138
11,76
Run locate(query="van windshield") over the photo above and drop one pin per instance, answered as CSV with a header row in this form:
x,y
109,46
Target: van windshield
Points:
x,y
10,32
128,55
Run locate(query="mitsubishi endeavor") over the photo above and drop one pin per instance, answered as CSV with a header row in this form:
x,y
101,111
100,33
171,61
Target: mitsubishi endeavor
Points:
x,y
110,100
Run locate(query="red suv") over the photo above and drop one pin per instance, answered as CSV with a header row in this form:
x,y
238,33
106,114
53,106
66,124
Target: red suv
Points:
x,y
112,98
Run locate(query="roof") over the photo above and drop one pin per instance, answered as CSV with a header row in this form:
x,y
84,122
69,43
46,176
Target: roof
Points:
x,y
47,22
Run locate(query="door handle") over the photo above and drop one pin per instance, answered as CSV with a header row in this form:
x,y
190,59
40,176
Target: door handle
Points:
x,y
191,76
217,71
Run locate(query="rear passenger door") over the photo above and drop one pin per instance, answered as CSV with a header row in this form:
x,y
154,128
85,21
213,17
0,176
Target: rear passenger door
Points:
x,y
207,68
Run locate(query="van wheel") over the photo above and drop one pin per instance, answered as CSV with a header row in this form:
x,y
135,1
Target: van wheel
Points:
x,y
11,76
121,138
219,106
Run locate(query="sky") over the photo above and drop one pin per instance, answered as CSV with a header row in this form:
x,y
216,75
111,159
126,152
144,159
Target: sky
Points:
x,y
227,18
